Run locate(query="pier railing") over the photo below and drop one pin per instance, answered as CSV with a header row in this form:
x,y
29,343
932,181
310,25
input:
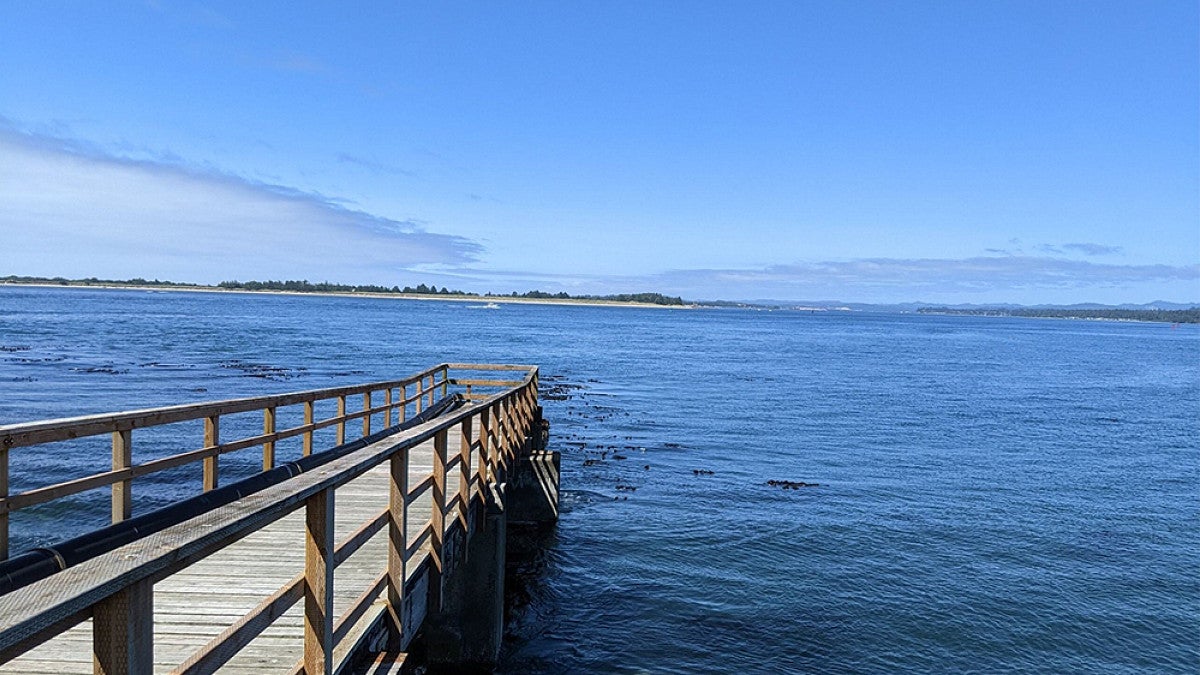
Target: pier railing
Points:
x,y
376,401
116,589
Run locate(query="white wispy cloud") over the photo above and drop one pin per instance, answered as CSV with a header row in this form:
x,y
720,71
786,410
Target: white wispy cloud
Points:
x,y
70,209
1089,249
75,210
895,279
1092,249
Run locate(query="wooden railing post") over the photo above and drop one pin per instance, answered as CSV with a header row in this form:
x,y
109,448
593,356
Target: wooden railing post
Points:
x,y
506,408
319,547
341,425
527,395
3,495
123,632
486,472
403,403
518,402
367,416
437,520
445,381
268,446
530,409
432,388
397,562
212,437
307,447
464,472
498,437
122,458
420,394
387,413
522,402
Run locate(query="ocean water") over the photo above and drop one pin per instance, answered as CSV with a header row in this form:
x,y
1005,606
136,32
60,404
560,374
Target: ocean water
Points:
x,y
993,494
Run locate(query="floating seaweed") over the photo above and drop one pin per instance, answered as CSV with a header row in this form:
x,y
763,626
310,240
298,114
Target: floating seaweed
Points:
x,y
791,485
559,391
260,370
106,370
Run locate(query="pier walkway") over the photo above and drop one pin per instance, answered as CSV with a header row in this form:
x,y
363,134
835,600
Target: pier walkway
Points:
x,y
327,570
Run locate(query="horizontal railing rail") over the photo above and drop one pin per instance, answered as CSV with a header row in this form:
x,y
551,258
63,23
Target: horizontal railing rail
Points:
x,y
121,472
116,589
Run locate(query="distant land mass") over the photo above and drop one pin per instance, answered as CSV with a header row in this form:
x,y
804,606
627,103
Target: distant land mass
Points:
x,y
917,306
304,286
1190,315
1159,310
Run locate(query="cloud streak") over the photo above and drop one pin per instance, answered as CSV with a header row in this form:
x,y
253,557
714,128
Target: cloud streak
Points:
x,y
74,210
895,279
1092,249
1087,249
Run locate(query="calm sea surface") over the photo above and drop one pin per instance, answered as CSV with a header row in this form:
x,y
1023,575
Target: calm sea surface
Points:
x,y
995,494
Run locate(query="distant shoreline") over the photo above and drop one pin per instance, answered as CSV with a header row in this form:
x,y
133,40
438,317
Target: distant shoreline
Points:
x,y
1173,316
1191,315
497,299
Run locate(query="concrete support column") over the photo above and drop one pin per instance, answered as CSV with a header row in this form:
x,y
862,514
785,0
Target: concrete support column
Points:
x,y
465,634
533,489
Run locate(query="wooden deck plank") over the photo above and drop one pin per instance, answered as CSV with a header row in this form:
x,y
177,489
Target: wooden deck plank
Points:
x,y
196,604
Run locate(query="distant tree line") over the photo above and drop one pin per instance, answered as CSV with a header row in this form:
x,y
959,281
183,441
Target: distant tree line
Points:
x,y
304,286
93,281
1191,315
421,289
645,298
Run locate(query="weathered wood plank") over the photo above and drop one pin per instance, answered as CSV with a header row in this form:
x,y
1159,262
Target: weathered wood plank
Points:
x,y
123,632
318,583
122,458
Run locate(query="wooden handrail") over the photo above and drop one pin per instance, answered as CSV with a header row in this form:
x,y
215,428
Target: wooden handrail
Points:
x,y
121,426
486,366
122,581
67,428
501,384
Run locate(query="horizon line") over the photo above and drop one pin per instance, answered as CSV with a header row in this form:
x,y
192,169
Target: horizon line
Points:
x,y
139,282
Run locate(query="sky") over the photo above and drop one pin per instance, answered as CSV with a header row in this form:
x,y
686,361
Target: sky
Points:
x,y
947,152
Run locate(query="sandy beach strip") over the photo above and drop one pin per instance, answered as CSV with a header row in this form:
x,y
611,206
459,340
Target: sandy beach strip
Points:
x,y
476,299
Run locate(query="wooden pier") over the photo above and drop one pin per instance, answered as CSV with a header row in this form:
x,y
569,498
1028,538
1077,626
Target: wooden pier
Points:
x,y
327,571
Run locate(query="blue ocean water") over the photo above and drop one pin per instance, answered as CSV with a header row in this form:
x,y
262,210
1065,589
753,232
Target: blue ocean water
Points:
x,y
994,494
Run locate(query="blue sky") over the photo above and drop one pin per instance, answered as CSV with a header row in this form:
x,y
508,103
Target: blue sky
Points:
x,y
876,152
